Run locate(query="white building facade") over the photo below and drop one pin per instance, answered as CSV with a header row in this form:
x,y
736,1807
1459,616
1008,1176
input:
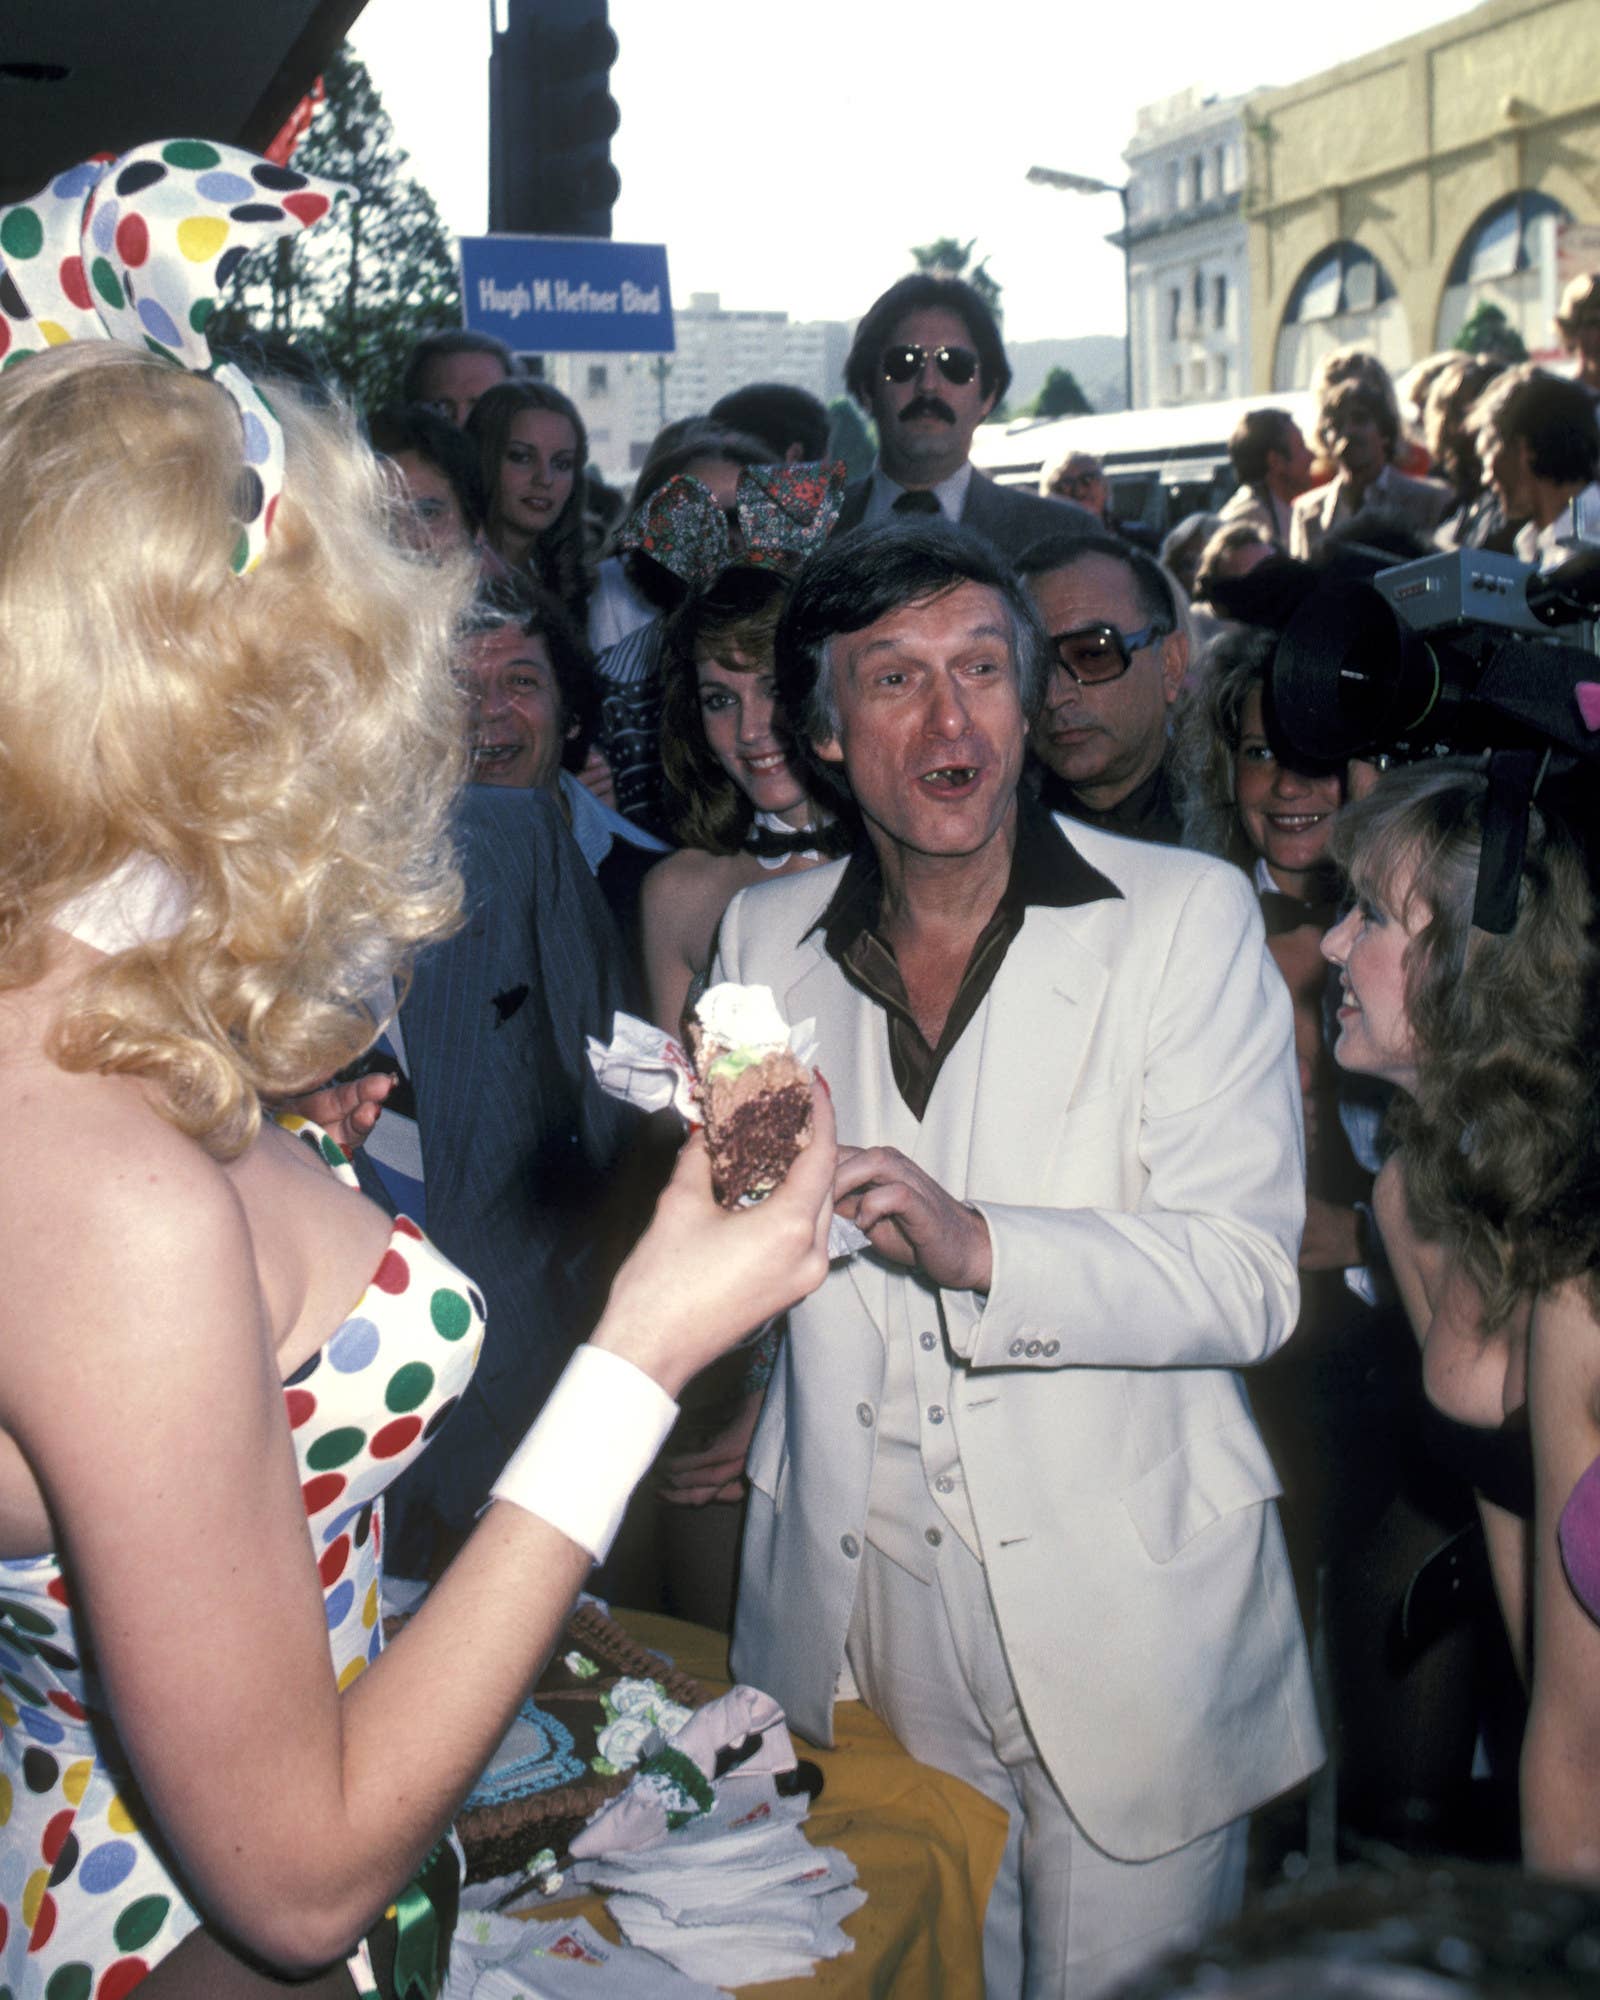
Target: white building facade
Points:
x,y
1189,264
626,398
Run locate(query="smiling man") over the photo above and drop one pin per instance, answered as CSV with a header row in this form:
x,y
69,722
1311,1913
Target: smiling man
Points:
x,y
928,365
1119,648
1006,1485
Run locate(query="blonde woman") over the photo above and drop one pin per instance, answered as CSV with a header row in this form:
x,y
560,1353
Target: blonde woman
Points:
x,y
221,825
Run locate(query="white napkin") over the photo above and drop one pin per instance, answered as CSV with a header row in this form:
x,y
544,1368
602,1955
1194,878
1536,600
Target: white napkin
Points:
x,y
497,1958
644,1066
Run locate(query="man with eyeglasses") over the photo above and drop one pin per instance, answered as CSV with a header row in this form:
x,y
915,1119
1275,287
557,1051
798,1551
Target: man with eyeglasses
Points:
x,y
1119,651
1006,1486
928,366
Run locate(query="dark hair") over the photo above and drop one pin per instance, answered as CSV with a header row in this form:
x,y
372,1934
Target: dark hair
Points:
x,y
452,340
740,610
558,559
917,293
539,614
1152,586
1555,419
1232,535
779,414
413,427
1447,419
1353,380
863,575
1498,1141
1256,436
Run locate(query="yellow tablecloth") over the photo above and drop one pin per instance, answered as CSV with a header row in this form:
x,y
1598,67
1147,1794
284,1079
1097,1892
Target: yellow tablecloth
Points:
x,y
926,1848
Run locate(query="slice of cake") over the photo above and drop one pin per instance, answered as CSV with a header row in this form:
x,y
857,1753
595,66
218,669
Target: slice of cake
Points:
x,y
573,1745
755,1095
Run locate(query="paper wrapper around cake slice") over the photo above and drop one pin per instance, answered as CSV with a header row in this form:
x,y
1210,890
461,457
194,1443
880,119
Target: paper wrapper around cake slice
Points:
x,y
515,1811
756,1121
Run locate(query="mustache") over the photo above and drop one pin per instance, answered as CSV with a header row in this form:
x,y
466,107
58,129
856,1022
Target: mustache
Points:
x,y
927,406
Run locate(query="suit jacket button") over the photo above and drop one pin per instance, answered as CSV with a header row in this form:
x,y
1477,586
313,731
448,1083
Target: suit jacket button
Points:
x,y
864,1415
850,1545
935,1413
944,1483
1014,1349
1034,1347
1052,1347
928,1339
932,1537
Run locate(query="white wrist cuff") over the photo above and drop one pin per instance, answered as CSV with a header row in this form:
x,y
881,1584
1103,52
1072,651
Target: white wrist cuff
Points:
x,y
588,1448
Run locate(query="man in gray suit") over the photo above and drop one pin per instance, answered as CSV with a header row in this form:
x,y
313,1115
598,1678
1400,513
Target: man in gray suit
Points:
x,y
928,365
518,1145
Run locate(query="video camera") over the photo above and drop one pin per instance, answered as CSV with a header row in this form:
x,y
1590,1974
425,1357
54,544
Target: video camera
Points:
x,y
1453,652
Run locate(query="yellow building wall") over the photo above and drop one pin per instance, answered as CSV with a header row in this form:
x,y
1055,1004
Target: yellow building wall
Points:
x,y
1402,149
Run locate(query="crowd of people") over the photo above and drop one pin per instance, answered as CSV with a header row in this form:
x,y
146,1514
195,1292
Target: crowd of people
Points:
x,y
1229,1183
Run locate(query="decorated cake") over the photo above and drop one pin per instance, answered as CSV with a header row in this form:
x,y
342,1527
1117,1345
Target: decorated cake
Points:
x,y
601,1704
755,1095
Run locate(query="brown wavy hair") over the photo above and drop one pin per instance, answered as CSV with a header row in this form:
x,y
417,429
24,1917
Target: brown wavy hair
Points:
x,y
738,613
287,743
1498,1142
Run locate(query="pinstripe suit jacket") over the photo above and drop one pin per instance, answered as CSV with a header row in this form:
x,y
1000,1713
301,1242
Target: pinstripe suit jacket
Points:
x,y
517,1139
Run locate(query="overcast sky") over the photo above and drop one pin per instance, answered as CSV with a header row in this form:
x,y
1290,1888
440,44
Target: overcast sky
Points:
x,y
788,156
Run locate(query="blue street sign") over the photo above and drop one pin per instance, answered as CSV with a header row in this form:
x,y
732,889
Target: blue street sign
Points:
x,y
568,294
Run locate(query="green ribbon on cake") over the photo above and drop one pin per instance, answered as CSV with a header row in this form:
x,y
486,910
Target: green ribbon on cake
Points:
x,y
415,1940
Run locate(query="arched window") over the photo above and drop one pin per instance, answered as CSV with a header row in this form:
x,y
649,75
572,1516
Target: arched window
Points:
x,y
1343,298
1507,259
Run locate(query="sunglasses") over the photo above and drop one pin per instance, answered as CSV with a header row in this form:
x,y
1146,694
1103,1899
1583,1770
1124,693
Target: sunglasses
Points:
x,y
1093,654
905,364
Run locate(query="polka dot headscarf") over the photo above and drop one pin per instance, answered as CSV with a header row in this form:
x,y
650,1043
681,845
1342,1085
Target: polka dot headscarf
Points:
x,y
138,250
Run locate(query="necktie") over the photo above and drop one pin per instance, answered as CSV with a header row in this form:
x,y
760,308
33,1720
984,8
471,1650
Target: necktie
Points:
x,y
922,502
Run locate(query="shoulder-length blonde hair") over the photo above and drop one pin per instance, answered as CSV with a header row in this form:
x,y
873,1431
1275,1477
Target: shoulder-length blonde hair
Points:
x,y
287,743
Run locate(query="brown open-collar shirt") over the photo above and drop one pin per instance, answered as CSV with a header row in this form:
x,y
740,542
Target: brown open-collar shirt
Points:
x,y
1046,870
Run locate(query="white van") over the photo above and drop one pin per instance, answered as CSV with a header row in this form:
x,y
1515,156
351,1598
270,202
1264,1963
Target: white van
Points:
x,y
1161,464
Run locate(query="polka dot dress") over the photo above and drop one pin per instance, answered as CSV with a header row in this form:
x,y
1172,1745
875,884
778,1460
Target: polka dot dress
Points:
x,y
86,1905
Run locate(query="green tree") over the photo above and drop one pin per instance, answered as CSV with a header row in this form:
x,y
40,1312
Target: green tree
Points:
x,y
850,438
356,291
1486,330
949,257
1060,396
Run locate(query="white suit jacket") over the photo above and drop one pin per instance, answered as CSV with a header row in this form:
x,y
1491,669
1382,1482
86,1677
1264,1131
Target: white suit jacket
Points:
x,y
1124,1109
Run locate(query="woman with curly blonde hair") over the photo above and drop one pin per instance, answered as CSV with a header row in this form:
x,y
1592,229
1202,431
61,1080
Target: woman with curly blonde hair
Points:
x,y
228,745
1490,1216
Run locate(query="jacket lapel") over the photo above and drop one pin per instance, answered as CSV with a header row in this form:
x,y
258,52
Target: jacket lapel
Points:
x,y
853,1055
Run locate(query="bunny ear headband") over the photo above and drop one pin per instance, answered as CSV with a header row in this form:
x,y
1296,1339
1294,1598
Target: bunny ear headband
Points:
x,y
783,511
138,249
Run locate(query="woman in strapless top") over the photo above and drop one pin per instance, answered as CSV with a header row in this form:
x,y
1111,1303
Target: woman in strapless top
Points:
x,y
1488,1212
223,824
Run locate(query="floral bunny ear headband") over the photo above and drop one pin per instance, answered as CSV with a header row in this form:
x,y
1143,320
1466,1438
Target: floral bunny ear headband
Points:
x,y
783,511
138,249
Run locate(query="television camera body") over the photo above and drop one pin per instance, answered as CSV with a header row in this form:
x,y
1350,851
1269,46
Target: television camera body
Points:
x,y
1457,652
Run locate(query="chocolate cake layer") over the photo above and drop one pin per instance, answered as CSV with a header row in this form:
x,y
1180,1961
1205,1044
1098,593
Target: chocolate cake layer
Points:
x,y
756,1122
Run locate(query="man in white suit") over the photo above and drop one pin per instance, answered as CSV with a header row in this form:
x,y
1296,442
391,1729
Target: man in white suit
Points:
x,y
1006,1485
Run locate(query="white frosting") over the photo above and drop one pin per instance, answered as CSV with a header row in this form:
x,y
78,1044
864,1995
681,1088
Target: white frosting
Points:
x,y
139,902
742,1017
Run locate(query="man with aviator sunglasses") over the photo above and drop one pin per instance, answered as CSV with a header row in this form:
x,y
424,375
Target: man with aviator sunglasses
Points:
x,y
1119,652
928,365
